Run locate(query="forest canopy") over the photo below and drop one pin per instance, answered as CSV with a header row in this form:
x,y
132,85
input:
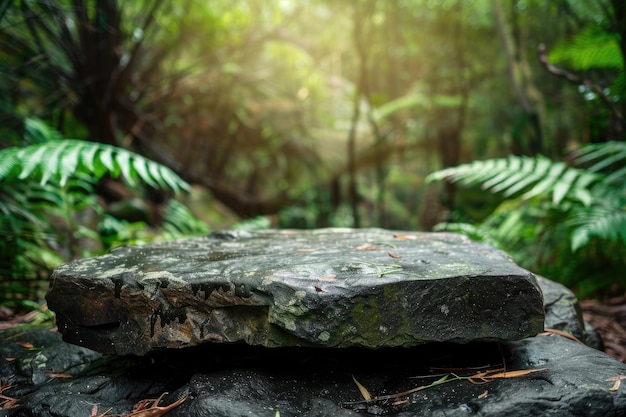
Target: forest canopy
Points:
x,y
318,113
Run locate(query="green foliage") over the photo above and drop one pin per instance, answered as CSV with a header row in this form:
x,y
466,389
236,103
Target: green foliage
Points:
x,y
179,221
565,222
50,209
55,160
593,47
255,223
526,176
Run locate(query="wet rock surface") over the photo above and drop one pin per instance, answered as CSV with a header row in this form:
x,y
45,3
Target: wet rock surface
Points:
x,y
329,288
242,380
48,377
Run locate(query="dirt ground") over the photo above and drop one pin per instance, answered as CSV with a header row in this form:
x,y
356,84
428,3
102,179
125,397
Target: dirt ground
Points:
x,y
609,319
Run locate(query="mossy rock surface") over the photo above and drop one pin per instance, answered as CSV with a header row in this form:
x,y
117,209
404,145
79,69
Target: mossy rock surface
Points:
x,y
330,288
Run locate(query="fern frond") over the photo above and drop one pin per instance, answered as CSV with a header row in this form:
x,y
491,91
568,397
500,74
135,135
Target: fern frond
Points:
x,y
474,232
593,47
526,176
606,223
37,131
609,158
179,221
60,160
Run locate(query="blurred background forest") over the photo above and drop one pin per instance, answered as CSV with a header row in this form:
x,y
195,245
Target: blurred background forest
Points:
x,y
130,122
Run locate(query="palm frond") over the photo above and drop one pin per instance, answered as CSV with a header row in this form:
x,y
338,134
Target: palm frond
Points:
x,y
60,160
526,176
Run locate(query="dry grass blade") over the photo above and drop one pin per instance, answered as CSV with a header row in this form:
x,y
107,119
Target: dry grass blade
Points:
x,y
6,402
94,411
144,408
61,375
485,377
561,333
364,392
617,383
150,408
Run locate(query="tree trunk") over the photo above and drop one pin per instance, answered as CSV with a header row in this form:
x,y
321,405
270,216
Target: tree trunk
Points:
x,y
521,83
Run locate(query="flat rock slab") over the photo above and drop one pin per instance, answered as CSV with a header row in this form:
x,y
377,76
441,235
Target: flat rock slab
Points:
x,y
369,288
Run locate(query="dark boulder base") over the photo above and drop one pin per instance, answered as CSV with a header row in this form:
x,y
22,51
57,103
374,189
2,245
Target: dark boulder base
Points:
x,y
232,342
241,380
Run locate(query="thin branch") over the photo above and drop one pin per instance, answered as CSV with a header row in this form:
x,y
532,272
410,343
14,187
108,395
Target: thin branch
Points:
x,y
576,79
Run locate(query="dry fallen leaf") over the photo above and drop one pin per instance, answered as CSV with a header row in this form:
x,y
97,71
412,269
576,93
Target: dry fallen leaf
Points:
x,y
550,332
393,255
94,411
402,236
150,408
144,408
6,402
365,247
485,377
484,394
66,376
25,345
327,278
617,383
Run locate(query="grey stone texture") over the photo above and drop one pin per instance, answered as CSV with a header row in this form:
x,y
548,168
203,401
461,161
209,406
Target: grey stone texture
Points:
x,y
51,378
332,288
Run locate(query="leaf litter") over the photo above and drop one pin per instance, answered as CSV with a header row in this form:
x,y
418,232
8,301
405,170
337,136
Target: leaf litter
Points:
x,y
144,408
478,378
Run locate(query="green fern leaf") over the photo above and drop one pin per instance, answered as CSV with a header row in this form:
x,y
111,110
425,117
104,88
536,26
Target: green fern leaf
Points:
x,y
31,158
550,179
608,158
518,182
124,161
593,47
531,177
155,172
37,131
9,163
563,187
106,156
88,160
140,164
604,222
69,162
174,182
522,174
617,177
60,160
51,164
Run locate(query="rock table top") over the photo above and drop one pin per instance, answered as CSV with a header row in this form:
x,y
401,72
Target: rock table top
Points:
x,y
338,288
